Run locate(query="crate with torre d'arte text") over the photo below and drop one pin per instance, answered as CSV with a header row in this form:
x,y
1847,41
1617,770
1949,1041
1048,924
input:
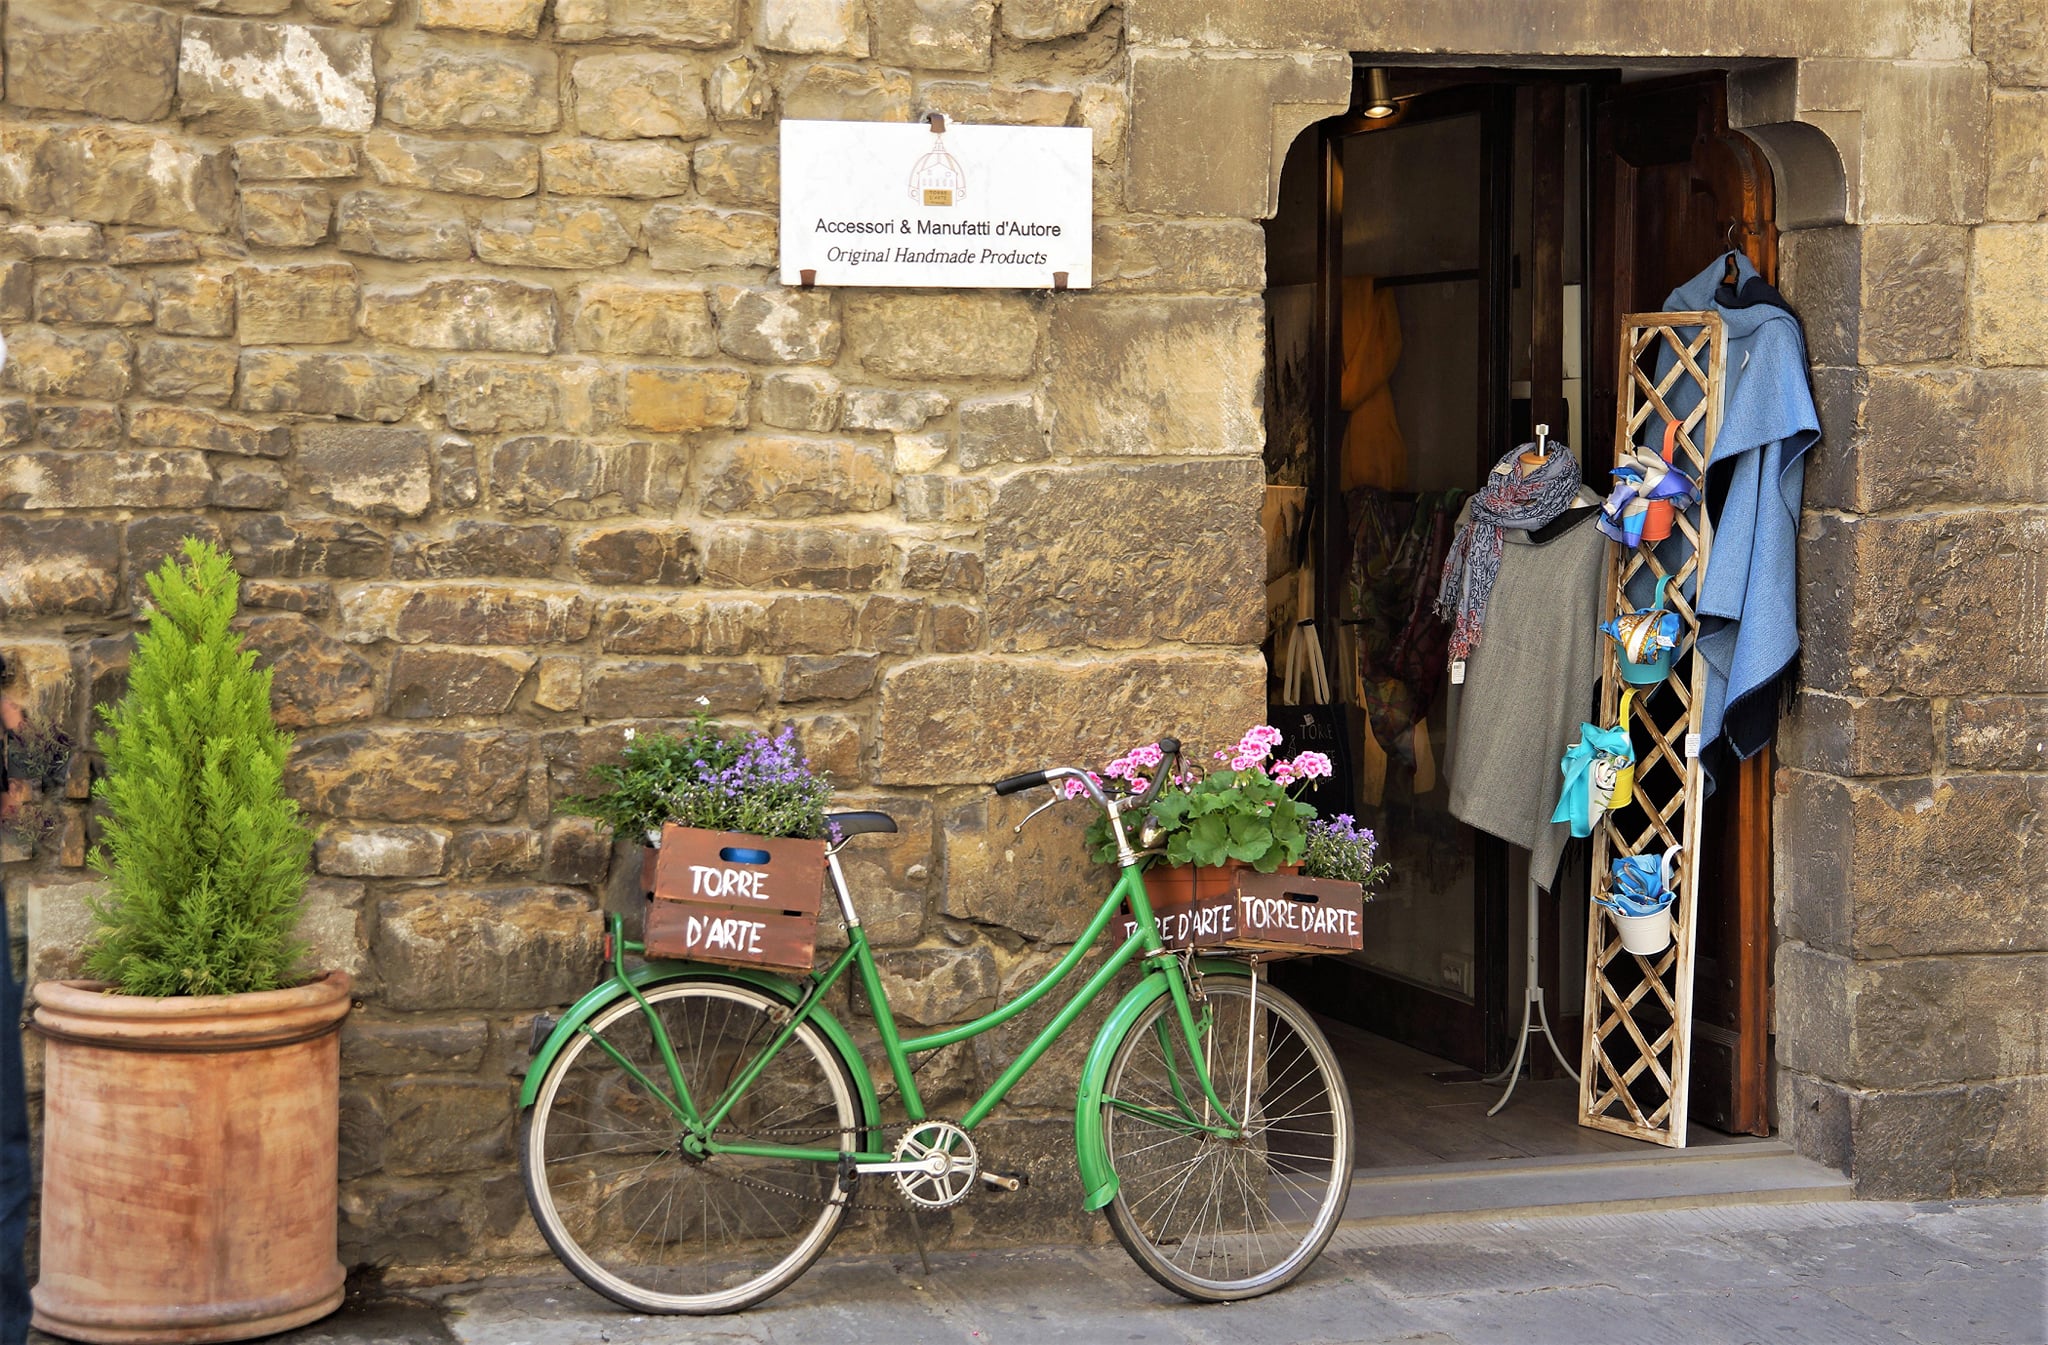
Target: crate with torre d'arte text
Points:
x,y
1266,912
731,898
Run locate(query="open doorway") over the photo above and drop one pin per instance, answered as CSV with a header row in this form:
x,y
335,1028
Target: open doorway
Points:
x,y
1442,280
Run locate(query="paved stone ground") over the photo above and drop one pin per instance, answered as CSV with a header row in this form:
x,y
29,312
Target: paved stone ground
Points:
x,y
1864,1273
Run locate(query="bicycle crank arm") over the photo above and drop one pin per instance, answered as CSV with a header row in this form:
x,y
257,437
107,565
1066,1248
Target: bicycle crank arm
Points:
x,y
923,1166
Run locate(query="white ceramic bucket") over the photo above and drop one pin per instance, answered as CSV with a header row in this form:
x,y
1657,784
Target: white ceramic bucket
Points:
x,y
1645,934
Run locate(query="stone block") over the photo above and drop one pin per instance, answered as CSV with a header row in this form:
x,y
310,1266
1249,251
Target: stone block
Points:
x,y
455,683
957,628
190,371
496,395
494,852
270,595
999,104
1924,130
2012,38
17,291
962,720
559,684
465,613
1043,20
462,313
479,550
1926,604
833,92
691,238
799,557
627,318
651,624
153,247
381,471
151,540
777,325
400,227
352,386
627,96
53,566
574,478
79,426
834,747
679,401
935,34
285,217
1106,110
1178,377
1101,557
808,624
17,422
55,242
409,775
457,484
916,453
412,1044
935,565
680,23
1852,735
294,158
116,174
812,27
998,430
578,851
553,234
915,336
58,914
355,13
111,479
268,546
934,986
1177,96
2008,296
739,90
939,499
1912,1023
1998,733
1179,255
827,677
892,409
793,478
2018,189
95,56
1948,436
1923,867
316,680
501,168
442,86
437,1126
671,690
641,169
1981,1140
891,623
651,554
891,877
381,852
196,303
506,18
235,75
45,362
1912,309
389,1218
249,485
298,305
802,399
737,174
93,295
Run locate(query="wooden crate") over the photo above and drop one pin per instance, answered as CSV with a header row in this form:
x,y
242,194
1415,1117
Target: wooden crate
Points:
x,y
1286,912
1196,907
734,899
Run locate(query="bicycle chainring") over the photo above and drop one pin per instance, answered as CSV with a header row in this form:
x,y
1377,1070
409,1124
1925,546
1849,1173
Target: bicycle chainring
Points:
x,y
952,1165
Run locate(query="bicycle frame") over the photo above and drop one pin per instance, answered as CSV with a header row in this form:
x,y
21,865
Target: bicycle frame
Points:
x,y
699,1122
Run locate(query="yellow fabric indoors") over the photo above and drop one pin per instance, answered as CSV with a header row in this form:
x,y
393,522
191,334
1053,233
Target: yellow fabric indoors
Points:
x,y
1374,452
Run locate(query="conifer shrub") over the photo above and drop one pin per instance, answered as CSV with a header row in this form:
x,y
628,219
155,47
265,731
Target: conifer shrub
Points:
x,y
204,854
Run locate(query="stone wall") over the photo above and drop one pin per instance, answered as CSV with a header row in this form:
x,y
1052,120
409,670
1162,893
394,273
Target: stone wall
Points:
x,y
455,320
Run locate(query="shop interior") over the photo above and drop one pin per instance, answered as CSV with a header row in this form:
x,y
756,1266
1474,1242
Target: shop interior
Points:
x,y
1445,271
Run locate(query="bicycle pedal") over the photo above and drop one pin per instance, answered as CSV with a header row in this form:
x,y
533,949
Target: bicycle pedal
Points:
x,y
1006,1181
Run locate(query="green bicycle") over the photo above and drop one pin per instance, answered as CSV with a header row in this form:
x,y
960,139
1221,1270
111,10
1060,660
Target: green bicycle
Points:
x,y
692,1136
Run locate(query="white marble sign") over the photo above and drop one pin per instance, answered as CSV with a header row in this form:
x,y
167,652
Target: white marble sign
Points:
x,y
885,203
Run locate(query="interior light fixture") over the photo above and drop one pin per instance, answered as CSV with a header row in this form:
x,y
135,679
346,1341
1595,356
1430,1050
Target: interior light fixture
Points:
x,y
1378,102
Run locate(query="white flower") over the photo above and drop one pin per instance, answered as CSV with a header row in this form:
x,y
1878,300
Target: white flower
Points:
x,y
703,700
629,735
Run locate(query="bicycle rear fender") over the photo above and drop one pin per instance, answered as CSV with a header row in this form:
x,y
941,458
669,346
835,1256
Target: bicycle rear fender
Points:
x,y
1091,1151
651,974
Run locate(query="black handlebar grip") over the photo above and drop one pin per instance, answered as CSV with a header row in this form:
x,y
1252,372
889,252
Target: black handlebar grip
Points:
x,y
1170,746
1017,784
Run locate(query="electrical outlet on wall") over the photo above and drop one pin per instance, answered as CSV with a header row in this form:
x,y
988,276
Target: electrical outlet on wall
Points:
x,y
1454,972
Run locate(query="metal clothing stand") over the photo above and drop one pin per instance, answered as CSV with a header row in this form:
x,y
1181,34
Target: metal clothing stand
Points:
x,y
1535,1019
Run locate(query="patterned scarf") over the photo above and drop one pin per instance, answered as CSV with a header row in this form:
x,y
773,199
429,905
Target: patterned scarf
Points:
x,y
1507,500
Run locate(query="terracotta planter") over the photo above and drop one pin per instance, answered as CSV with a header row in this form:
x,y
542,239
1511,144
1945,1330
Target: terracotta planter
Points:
x,y
189,1162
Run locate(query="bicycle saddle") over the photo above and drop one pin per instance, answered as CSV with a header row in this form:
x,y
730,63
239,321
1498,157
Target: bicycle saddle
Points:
x,y
859,824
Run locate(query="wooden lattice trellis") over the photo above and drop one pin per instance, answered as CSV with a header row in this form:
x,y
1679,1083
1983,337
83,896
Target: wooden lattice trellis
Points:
x,y
1638,1048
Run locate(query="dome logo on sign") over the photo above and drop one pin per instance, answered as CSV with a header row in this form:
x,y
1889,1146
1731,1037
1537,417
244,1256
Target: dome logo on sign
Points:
x,y
937,177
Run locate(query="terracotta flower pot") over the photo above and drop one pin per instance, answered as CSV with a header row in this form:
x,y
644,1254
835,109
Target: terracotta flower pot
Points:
x,y
189,1162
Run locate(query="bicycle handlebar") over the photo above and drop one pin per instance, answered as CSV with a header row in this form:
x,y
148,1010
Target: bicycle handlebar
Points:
x,y
1169,750
1017,784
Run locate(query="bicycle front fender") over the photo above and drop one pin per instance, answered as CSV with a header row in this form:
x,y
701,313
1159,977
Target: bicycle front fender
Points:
x,y
1091,1149
651,974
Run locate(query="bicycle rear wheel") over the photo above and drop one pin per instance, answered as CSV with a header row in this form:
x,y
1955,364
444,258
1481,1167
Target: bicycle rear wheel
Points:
x,y
633,1214
1217,1219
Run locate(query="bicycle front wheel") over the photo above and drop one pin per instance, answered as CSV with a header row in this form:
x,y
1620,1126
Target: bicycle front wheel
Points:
x,y
1215,1218
640,1219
